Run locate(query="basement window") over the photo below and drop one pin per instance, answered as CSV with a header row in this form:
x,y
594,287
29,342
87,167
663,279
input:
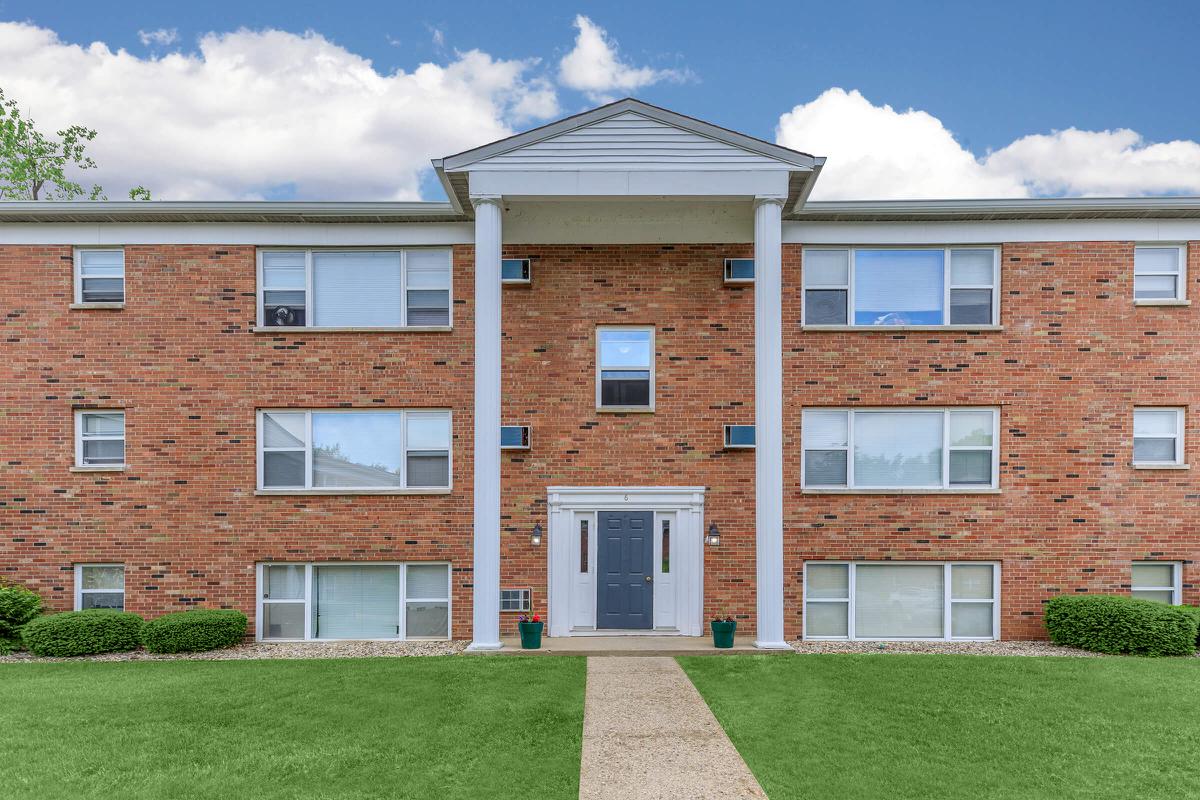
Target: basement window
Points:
x,y
1159,581
100,586
512,600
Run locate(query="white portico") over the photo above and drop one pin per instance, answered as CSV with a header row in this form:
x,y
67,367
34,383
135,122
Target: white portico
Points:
x,y
606,172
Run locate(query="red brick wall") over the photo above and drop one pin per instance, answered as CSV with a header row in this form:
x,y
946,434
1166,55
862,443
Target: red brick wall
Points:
x,y
1074,358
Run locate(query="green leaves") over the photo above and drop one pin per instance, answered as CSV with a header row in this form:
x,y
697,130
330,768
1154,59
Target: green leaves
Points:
x,y
1119,624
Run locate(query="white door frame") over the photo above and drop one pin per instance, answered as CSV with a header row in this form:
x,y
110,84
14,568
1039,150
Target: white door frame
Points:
x,y
568,504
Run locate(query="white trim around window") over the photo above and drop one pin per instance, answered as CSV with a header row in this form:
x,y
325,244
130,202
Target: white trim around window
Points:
x,y
869,600
99,586
1162,270
1161,581
879,450
396,451
99,277
402,293
99,439
1158,438
830,274
629,368
396,597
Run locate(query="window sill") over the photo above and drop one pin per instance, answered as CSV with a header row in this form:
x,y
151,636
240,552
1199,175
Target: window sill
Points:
x,y
980,490
100,468
901,328
1150,465
301,329
96,306
1163,302
318,492
624,410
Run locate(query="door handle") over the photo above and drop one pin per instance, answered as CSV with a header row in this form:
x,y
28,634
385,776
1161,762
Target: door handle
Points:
x,y
649,579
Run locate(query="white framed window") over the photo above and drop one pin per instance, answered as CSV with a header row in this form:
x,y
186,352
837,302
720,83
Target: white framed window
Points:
x,y
514,600
100,439
1159,273
380,289
881,449
1161,581
354,450
625,368
901,600
99,276
1157,436
872,287
99,586
353,600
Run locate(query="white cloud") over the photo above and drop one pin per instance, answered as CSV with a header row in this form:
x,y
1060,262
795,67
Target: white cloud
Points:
x,y
263,113
877,152
161,37
594,66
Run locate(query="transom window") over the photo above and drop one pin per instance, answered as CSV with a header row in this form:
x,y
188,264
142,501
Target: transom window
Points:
x,y
625,374
99,586
894,448
99,438
873,287
354,450
354,601
99,275
1158,436
1160,581
354,288
901,600
1159,272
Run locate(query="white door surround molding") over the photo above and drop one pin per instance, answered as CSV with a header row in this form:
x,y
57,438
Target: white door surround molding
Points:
x,y
567,601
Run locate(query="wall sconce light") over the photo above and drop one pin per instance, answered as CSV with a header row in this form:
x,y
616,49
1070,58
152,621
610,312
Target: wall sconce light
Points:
x,y
535,538
713,539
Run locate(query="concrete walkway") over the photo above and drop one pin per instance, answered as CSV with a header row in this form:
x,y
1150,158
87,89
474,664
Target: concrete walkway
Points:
x,y
647,733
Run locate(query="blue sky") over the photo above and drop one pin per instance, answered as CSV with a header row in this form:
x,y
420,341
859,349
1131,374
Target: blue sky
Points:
x,y
991,75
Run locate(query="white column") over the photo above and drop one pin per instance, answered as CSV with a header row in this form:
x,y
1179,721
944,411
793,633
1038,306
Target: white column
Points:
x,y
768,420
486,577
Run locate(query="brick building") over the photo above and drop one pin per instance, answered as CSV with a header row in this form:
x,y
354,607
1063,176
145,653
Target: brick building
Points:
x,y
629,377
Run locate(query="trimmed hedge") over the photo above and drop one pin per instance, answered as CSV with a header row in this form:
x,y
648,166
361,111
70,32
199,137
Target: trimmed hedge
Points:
x,y
1119,624
83,633
18,606
193,631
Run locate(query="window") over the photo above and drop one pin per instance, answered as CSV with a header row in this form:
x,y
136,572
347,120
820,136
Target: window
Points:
x,y
354,601
99,586
1159,273
352,450
901,600
354,288
1157,580
739,270
514,437
665,565
892,448
1158,436
583,546
626,368
739,436
99,276
867,287
514,270
100,439
514,599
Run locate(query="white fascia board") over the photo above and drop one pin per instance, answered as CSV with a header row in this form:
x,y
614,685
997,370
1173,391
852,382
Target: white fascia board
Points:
x,y
306,234
1132,230
599,183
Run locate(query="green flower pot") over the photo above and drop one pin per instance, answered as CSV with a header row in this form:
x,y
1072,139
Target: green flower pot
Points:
x,y
531,635
723,634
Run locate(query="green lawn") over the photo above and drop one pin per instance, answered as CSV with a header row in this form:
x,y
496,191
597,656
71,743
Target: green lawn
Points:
x,y
934,726
398,728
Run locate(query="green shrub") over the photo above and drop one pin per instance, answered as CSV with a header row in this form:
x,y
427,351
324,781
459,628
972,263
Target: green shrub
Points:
x,y
18,606
1118,624
83,633
193,631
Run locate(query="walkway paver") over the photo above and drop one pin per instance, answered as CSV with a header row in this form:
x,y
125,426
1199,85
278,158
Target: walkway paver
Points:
x,y
647,733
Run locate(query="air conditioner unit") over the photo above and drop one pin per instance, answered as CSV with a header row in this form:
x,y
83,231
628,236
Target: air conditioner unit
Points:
x,y
739,270
514,437
739,437
283,316
514,270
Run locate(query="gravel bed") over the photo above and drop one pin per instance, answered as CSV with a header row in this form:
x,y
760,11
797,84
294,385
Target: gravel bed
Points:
x,y
273,650
956,648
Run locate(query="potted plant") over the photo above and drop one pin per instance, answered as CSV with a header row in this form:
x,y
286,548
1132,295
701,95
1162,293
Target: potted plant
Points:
x,y
531,631
722,631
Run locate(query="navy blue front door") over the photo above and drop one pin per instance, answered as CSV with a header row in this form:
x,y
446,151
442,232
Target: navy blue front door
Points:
x,y
625,556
